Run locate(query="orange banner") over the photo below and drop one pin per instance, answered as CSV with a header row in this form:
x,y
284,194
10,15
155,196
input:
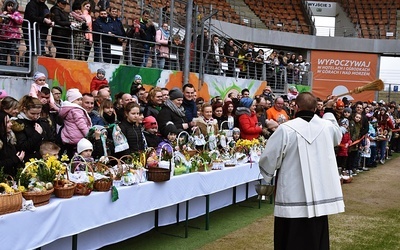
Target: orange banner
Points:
x,y
336,73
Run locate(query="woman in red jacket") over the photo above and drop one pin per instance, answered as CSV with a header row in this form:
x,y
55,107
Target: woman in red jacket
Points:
x,y
249,126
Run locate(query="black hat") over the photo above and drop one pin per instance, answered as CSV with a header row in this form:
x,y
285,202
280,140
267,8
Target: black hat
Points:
x,y
347,109
175,93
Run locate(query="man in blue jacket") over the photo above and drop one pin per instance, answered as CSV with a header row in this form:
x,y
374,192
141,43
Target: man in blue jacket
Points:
x,y
189,103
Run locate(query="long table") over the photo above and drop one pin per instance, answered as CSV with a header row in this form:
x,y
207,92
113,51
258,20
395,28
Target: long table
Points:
x,y
93,221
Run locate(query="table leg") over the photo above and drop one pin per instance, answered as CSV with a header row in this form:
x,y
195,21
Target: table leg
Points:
x,y
187,219
247,191
156,219
177,214
74,242
234,196
207,212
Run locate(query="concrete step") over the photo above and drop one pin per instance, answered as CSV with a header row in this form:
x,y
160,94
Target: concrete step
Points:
x,y
246,14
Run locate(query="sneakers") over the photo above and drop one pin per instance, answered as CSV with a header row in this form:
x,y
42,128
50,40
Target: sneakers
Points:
x,y
365,169
382,161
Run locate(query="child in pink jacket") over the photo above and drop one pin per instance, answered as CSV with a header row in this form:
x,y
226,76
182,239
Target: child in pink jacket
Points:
x,y
10,33
76,121
39,81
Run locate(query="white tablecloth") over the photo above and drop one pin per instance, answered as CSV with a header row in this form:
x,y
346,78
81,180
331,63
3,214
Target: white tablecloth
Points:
x,y
98,221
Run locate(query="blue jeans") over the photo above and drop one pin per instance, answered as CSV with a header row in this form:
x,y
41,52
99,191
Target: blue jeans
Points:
x,y
160,62
8,47
372,159
382,149
146,53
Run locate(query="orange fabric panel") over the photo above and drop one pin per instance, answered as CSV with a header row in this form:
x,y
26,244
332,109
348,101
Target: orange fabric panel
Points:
x,y
335,72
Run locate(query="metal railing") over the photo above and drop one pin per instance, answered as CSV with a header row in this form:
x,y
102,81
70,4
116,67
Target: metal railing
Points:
x,y
16,54
145,54
132,51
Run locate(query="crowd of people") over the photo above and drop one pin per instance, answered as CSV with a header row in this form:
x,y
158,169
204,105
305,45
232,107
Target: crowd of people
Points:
x,y
147,118
370,134
76,33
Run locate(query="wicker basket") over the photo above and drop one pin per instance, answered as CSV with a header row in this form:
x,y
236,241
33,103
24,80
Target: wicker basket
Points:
x,y
158,174
347,180
120,168
83,188
103,185
64,192
230,165
10,203
38,198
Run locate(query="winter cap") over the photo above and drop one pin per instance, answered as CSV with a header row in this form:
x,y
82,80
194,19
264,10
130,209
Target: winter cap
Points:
x,y
271,124
150,122
38,75
235,131
101,71
14,2
175,93
170,129
84,144
3,93
138,77
246,102
344,121
347,109
73,94
339,103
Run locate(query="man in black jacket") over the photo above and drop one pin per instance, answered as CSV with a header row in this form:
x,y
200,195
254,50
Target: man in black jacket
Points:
x,y
118,30
37,13
102,53
189,103
150,34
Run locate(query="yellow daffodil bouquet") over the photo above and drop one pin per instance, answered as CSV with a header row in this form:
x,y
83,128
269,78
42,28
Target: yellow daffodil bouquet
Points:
x,y
7,184
244,145
39,175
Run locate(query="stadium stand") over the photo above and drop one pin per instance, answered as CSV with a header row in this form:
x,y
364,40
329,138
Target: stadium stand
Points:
x,y
286,15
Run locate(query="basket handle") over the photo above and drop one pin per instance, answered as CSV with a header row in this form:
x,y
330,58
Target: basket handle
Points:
x,y
28,164
9,177
162,147
104,166
116,159
125,156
